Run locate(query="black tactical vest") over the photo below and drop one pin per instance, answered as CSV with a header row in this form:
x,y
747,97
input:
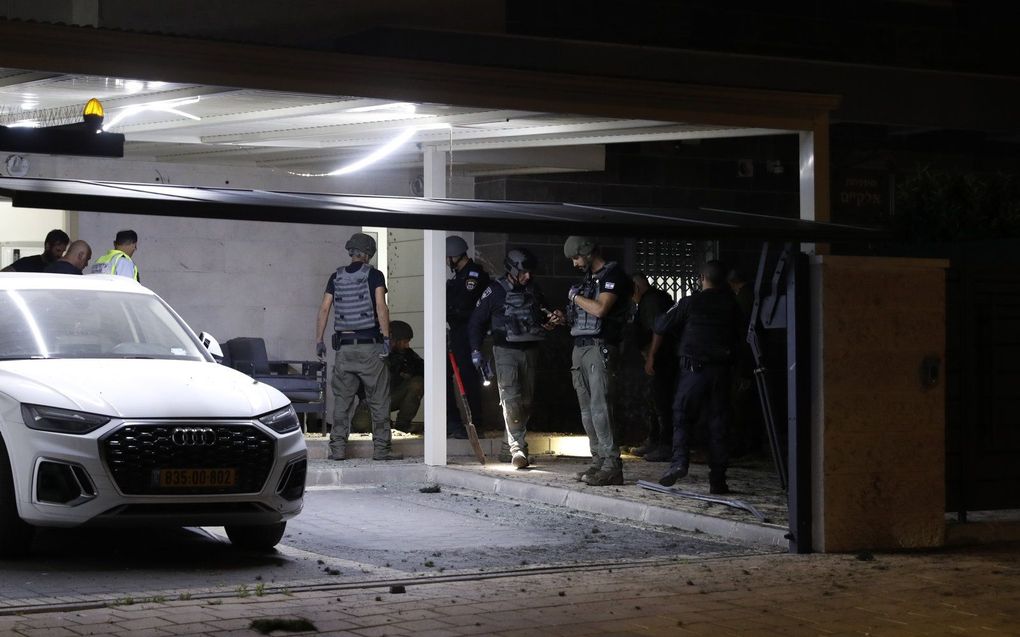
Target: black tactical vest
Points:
x,y
521,318
708,333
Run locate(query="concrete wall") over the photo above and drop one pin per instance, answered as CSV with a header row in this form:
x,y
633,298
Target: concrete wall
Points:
x,y
233,278
878,435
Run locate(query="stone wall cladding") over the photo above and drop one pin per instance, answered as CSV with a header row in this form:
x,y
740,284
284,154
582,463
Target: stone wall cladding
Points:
x,y
879,435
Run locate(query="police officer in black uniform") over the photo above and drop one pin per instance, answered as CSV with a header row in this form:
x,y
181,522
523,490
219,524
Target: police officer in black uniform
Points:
x,y
708,327
462,293
514,308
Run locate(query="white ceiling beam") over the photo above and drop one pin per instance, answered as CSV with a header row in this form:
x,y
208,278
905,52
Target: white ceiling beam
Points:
x,y
272,155
373,128
662,133
26,79
137,131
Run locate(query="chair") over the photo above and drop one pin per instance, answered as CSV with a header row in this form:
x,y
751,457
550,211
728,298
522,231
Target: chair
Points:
x,y
305,389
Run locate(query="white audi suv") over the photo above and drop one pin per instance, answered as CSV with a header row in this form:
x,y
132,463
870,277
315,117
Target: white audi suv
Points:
x,y
112,412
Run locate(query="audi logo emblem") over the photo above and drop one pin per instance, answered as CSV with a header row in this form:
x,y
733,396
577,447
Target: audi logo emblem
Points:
x,y
193,437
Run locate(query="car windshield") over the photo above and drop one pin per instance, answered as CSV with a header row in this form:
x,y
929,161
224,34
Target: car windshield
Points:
x,y
65,323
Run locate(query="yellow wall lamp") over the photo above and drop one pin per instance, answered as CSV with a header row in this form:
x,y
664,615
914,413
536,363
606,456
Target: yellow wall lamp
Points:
x,y
85,138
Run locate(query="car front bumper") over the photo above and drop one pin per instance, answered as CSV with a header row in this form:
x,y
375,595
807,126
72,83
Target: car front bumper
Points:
x,y
85,460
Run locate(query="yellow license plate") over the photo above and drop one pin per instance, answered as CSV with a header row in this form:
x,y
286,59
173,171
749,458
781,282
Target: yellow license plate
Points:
x,y
192,478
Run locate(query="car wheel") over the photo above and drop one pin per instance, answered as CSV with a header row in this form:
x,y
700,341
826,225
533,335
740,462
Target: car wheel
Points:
x,y
15,534
260,537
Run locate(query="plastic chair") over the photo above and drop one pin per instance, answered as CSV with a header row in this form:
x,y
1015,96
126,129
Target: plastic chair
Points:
x,y
306,388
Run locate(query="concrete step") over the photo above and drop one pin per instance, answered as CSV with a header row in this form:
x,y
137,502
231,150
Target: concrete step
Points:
x,y
360,446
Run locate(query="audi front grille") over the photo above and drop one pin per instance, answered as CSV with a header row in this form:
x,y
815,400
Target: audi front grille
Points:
x,y
141,457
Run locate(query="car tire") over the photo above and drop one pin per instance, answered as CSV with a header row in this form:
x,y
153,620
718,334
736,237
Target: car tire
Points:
x,y
15,533
259,537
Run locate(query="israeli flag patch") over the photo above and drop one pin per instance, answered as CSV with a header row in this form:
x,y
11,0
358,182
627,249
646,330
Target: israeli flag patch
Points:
x,y
474,274
610,285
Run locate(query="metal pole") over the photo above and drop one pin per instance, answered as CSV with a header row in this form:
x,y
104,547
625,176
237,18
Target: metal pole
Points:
x,y
798,383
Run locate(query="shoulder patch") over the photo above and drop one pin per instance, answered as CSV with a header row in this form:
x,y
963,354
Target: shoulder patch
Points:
x,y
609,285
471,283
473,273
487,292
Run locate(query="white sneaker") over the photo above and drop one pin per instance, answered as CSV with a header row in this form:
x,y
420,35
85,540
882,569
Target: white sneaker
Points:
x,y
519,460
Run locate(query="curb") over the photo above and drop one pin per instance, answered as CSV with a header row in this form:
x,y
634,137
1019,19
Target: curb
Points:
x,y
768,535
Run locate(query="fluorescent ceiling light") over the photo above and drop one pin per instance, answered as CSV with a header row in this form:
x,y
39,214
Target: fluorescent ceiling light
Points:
x,y
400,107
168,106
25,123
378,153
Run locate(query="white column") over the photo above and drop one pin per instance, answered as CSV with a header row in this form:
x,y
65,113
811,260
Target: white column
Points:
x,y
435,317
807,182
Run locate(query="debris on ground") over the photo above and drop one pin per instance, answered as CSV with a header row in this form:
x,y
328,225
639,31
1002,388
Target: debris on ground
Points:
x,y
296,625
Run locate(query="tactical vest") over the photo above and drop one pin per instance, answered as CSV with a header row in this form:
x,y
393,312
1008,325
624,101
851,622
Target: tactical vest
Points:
x,y
581,322
352,300
708,333
521,319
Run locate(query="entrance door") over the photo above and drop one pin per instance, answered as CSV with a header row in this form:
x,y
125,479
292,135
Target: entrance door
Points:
x,y
983,376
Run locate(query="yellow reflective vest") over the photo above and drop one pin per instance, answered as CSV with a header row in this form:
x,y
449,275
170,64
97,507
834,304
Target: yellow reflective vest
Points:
x,y
110,263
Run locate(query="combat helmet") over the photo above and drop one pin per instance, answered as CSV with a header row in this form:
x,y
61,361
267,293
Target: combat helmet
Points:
x,y
578,246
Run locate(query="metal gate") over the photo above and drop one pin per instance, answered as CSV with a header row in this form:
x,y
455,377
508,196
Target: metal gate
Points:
x,y
983,387
673,265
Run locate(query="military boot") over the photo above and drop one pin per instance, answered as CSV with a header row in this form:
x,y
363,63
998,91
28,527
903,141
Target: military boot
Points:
x,y
384,451
337,449
504,452
717,481
676,471
610,473
593,468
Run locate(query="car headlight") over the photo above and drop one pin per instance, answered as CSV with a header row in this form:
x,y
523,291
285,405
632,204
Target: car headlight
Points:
x,y
282,420
63,421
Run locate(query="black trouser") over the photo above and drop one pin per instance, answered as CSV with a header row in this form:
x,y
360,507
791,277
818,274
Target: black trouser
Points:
x,y
461,349
663,386
702,387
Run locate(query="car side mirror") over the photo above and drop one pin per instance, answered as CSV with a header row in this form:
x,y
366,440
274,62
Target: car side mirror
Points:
x,y
211,344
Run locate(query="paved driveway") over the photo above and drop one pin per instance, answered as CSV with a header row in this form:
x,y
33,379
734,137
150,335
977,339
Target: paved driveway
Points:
x,y
345,534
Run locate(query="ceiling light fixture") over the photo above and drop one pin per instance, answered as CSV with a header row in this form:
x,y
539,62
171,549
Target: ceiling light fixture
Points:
x,y
168,106
379,153
399,107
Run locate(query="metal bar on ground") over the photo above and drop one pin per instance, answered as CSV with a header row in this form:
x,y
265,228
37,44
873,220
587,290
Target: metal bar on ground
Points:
x,y
736,504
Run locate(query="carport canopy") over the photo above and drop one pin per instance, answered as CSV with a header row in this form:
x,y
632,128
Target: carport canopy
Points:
x,y
420,213
430,214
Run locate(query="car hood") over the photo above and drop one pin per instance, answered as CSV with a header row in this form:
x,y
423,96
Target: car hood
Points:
x,y
139,388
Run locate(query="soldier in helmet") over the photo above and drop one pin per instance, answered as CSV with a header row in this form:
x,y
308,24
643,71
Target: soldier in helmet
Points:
x,y
462,293
597,314
407,383
361,330
513,307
